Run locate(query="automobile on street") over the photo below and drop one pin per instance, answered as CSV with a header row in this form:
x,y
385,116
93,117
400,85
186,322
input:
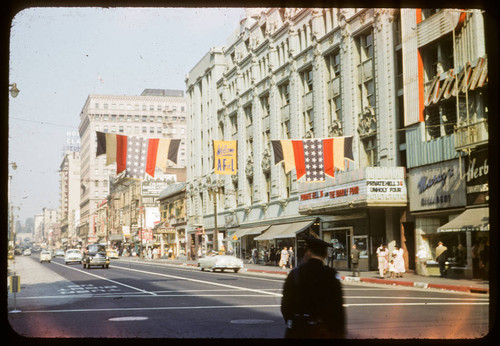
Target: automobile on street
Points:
x,y
95,255
59,253
45,256
220,262
112,253
27,252
72,256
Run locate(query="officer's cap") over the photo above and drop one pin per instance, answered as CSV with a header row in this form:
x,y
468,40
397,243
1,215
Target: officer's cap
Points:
x,y
315,243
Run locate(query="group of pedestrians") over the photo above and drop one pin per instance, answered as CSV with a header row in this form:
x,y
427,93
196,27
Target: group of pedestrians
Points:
x,y
390,263
285,258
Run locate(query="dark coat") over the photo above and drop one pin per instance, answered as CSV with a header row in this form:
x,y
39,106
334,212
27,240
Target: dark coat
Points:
x,y
355,255
313,289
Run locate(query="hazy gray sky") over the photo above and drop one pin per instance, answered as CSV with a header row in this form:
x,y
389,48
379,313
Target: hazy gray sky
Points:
x,y
59,56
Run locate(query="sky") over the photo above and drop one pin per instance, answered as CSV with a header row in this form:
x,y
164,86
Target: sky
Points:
x,y
59,56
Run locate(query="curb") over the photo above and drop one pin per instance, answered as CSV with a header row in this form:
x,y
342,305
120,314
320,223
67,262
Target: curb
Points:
x,y
458,288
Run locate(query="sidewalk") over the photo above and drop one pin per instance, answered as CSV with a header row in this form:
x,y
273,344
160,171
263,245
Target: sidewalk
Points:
x,y
409,279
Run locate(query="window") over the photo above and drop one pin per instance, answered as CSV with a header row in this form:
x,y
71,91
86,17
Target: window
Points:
x,y
439,118
284,90
370,147
366,82
144,129
264,101
144,118
267,179
248,115
234,123
307,80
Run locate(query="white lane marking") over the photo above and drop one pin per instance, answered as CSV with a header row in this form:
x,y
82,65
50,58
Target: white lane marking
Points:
x,y
158,308
415,298
413,304
192,268
103,278
236,307
203,282
129,318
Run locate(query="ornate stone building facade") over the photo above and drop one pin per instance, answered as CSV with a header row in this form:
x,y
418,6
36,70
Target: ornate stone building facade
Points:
x,y
306,73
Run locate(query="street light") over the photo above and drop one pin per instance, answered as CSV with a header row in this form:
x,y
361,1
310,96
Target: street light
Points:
x,y
14,91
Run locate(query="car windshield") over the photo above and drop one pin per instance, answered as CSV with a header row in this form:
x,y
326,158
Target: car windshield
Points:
x,y
45,253
72,251
97,248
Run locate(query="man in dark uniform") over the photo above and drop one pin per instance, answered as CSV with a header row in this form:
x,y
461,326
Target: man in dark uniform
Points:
x,y
312,297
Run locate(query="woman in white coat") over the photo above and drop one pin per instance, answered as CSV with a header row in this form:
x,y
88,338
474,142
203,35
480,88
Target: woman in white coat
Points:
x,y
399,262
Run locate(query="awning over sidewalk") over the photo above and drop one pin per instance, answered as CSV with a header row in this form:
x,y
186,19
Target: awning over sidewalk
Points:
x,y
250,231
473,219
285,230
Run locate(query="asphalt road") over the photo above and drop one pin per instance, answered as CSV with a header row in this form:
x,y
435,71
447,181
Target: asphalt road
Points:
x,y
148,300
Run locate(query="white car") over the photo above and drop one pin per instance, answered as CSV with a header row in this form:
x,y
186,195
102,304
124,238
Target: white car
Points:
x,y
221,262
73,255
45,256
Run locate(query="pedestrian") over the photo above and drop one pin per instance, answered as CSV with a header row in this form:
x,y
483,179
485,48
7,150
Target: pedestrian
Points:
x,y
331,253
399,261
272,254
254,256
284,258
392,269
421,258
170,252
355,260
291,258
441,258
475,260
149,253
382,257
484,259
312,297
155,253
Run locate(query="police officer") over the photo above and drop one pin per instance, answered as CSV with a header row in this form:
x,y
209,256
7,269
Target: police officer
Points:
x,y
312,297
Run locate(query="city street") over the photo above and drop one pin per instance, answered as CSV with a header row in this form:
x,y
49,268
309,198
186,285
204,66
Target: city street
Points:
x,y
156,300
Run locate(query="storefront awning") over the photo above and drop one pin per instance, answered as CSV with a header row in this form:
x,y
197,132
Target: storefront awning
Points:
x,y
248,231
286,230
474,219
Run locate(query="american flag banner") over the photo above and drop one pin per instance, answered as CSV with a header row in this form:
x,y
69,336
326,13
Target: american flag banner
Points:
x,y
313,158
136,155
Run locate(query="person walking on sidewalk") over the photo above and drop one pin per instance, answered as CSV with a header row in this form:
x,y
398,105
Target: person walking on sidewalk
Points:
x,y
441,251
331,253
399,261
421,258
355,260
284,258
291,258
312,297
382,256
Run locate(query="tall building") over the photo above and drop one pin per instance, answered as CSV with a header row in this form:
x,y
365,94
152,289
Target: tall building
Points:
x,y
316,73
446,115
153,114
50,225
70,195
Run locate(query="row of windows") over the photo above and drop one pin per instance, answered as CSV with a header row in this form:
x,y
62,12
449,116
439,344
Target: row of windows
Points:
x,y
137,129
137,118
137,107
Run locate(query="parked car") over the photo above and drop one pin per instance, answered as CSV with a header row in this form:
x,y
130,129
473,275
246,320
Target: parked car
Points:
x,y
221,262
73,255
27,252
95,255
112,253
59,253
45,256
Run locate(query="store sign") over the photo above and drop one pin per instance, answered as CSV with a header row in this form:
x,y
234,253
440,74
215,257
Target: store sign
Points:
x,y
476,178
154,187
436,186
367,191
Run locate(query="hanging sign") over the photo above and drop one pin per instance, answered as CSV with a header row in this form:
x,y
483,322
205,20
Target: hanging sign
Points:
x,y
225,159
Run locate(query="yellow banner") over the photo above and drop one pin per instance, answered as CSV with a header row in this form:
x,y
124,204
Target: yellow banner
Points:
x,y
225,158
